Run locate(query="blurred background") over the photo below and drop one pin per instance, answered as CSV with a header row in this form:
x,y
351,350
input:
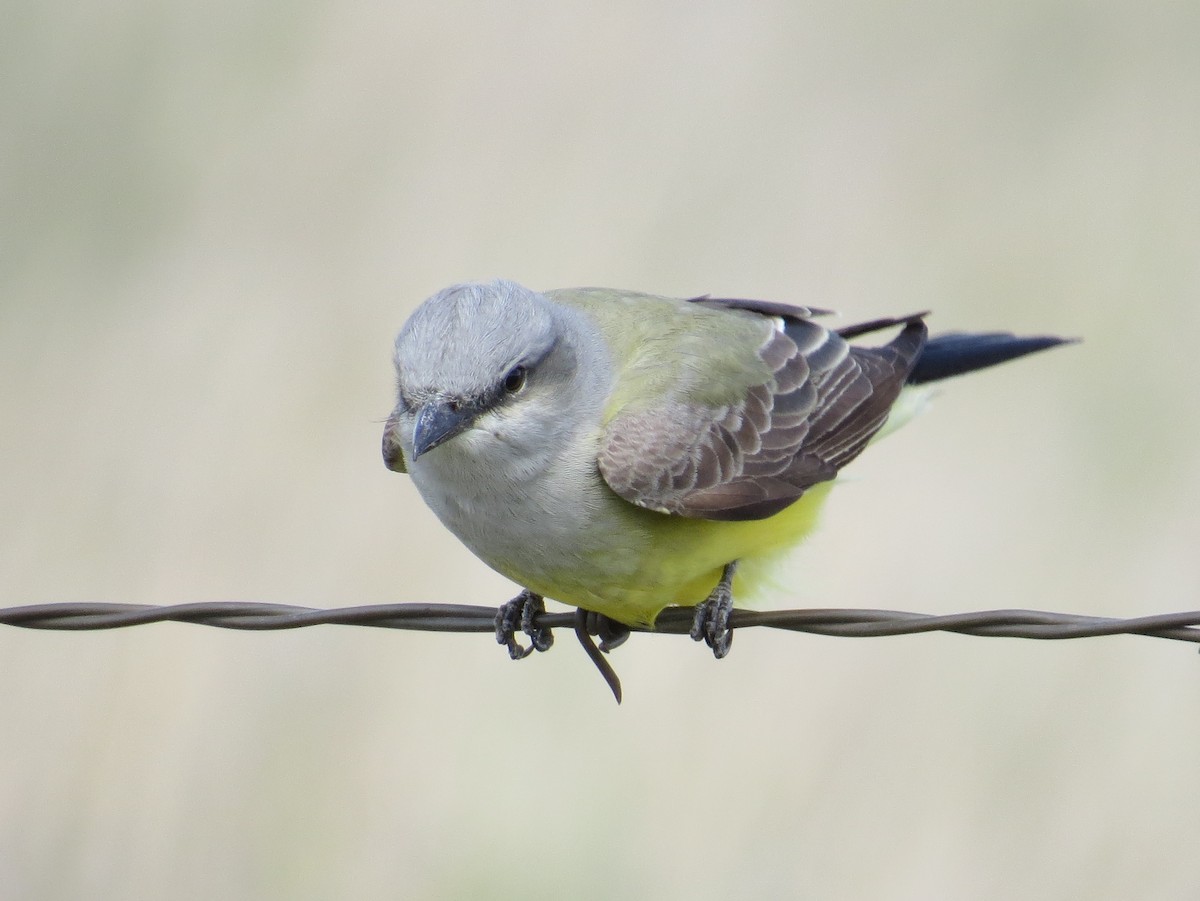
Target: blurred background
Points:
x,y
214,218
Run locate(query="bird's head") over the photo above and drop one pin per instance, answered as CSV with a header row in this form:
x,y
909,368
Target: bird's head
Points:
x,y
481,363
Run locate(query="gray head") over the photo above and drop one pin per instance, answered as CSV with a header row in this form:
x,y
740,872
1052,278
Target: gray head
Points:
x,y
473,356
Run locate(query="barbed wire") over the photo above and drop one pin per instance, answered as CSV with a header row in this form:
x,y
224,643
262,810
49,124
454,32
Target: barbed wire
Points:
x,y
844,623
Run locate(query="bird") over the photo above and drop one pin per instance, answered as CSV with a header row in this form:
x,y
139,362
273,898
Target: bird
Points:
x,y
623,452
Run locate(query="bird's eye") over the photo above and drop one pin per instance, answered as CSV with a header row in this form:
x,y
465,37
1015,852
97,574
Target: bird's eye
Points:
x,y
515,380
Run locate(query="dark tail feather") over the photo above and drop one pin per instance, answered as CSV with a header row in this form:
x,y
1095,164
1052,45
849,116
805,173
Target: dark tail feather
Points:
x,y
958,352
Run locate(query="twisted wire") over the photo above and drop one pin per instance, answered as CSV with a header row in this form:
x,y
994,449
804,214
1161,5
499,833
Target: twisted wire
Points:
x,y
252,616
845,623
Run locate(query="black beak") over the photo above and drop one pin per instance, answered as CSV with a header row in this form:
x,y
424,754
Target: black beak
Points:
x,y
438,422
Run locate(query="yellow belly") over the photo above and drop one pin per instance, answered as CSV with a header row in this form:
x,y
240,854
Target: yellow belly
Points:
x,y
661,560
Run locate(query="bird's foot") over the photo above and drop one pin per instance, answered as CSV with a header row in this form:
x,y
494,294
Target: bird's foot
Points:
x,y
711,624
523,611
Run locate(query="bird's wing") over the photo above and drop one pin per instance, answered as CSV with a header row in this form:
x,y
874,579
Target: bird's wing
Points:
x,y
813,406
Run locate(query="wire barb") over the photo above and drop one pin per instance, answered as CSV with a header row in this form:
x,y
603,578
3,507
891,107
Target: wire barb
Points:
x,y
585,625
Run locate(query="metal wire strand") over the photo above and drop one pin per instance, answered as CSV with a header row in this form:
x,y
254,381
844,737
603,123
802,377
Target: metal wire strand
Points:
x,y
254,616
673,621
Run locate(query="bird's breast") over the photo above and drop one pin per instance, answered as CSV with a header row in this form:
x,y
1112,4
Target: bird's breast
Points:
x,y
520,513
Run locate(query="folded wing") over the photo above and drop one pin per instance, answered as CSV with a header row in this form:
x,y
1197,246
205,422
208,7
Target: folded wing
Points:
x,y
751,458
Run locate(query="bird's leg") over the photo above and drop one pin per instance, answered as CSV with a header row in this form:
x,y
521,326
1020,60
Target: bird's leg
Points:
x,y
522,610
711,624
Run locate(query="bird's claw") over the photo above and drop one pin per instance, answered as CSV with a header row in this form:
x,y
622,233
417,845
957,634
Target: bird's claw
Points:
x,y
523,611
711,624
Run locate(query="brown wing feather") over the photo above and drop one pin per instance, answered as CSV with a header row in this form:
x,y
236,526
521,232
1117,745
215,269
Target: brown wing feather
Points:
x,y
819,409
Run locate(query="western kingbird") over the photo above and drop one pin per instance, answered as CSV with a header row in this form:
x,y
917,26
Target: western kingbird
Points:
x,y
623,452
